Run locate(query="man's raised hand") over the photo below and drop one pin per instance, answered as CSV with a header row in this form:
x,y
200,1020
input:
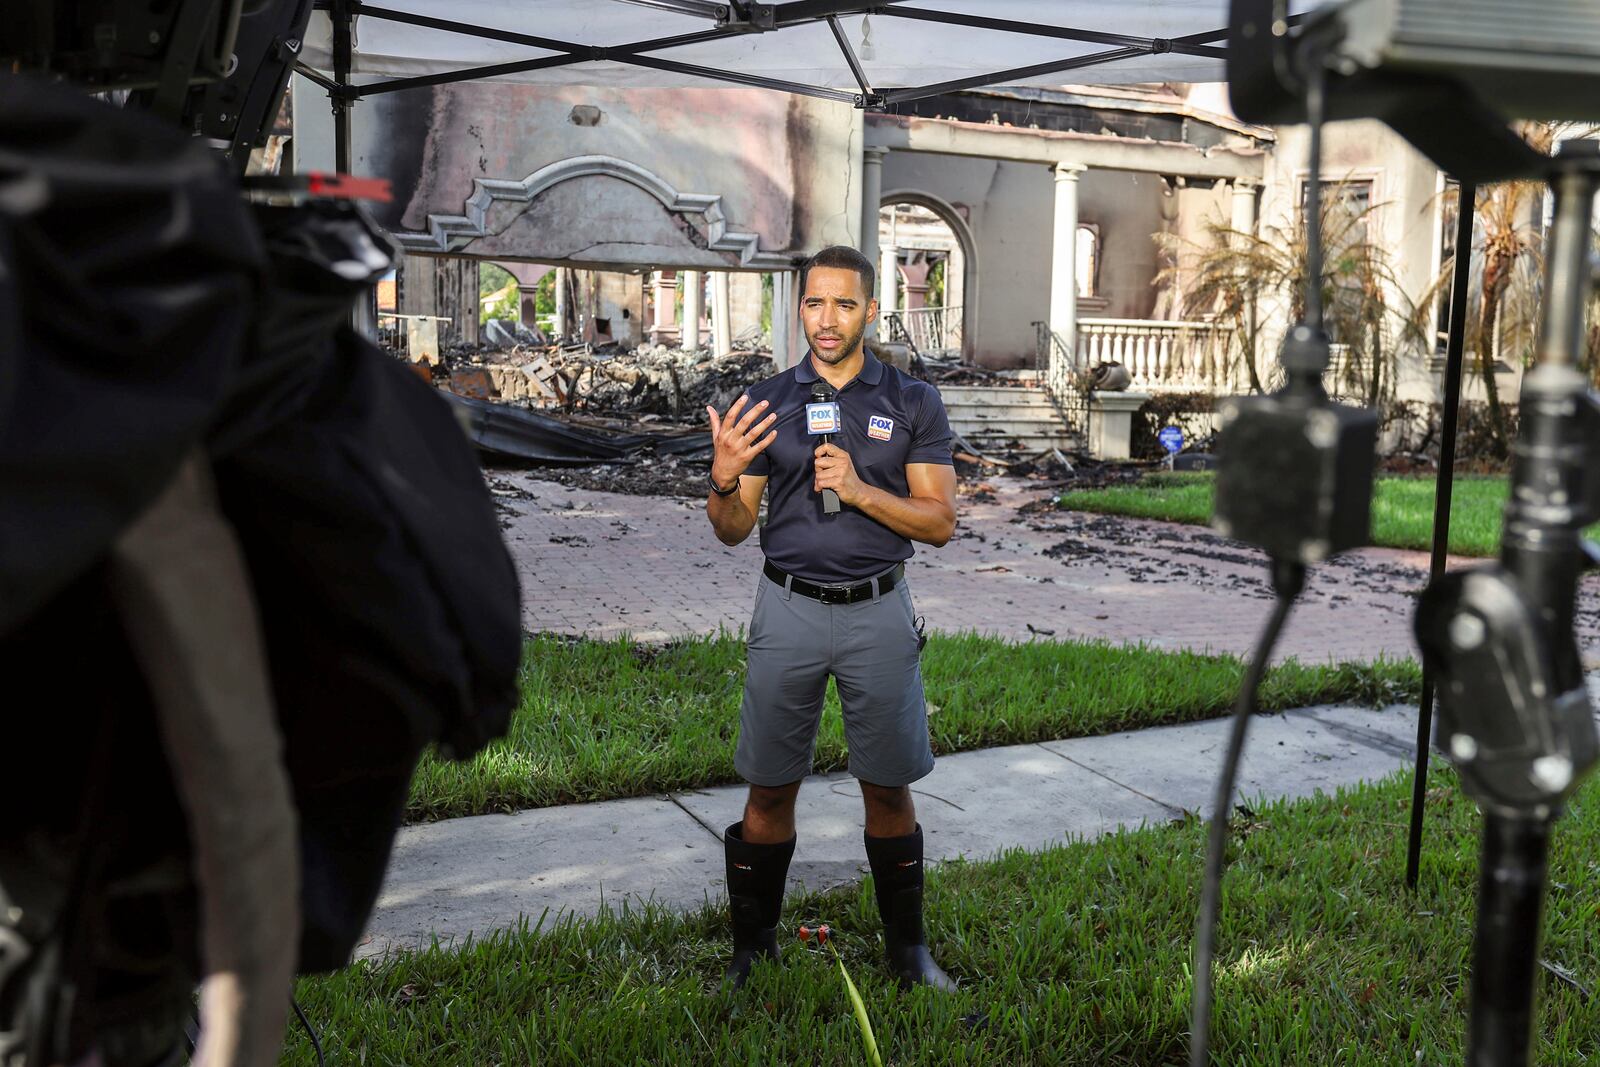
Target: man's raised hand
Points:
x,y
737,439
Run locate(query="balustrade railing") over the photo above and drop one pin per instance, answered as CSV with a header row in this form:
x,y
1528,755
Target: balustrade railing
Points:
x,y
935,330
1063,379
1164,356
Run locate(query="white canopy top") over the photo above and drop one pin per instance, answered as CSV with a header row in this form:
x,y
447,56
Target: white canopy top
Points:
x,y
896,49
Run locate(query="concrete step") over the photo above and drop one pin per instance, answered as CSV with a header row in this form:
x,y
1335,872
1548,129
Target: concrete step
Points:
x,y
999,410
1028,408
1028,444
1032,435
991,394
995,416
991,410
1027,417
1014,448
1008,426
987,400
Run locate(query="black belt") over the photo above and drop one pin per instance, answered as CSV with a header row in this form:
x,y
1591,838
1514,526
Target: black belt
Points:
x,y
836,594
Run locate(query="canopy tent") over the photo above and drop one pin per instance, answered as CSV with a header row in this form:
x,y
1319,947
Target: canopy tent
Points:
x,y
871,54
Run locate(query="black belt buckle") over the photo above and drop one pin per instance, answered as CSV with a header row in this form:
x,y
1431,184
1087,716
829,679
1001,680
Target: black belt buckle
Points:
x,y
836,594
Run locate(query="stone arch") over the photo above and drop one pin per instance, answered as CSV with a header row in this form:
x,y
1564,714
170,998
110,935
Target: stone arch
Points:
x,y
969,254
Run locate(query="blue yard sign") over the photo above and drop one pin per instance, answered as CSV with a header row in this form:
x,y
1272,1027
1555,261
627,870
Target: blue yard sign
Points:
x,y
1171,438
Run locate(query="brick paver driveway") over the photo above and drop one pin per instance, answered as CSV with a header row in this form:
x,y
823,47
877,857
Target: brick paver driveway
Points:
x,y
603,564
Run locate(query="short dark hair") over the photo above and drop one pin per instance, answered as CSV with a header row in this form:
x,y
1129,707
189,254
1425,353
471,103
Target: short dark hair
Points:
x,y
845,258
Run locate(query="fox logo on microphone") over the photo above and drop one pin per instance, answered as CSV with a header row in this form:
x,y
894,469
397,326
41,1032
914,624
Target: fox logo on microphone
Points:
x,y
822,418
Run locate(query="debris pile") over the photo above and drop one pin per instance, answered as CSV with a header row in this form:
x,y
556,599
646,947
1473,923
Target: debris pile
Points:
x,y
1052,469
632,420
531,436
609,380
629,420
648,475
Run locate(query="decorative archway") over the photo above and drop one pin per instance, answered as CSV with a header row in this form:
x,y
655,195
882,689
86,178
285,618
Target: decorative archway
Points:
x,y
962,230
454,233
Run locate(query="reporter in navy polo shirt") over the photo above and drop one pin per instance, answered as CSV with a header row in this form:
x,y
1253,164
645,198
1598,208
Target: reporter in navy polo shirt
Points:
x,y
832,600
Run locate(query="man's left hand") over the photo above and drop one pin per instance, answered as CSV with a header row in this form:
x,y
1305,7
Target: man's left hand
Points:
x,y
835,471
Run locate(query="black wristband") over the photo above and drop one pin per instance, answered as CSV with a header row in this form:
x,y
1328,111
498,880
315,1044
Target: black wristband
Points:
x,y
717,489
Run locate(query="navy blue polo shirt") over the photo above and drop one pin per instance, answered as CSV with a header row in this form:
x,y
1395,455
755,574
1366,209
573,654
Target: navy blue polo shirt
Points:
x,y
888,419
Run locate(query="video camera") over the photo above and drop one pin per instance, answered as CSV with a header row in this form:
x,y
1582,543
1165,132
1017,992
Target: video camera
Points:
x,y
219,68
247,559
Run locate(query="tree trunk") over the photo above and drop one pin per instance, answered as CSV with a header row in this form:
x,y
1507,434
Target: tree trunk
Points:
x,y
1375,386
1245,320
1496,276
1255,341
1590,349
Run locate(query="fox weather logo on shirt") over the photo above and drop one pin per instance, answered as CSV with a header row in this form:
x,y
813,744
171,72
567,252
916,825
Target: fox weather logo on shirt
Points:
x,y
880,428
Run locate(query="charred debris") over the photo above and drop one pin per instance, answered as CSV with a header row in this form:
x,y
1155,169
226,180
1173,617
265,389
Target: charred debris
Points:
x,y
632,420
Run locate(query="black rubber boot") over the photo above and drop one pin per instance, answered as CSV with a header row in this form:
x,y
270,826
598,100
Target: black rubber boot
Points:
x,y
756,876
897,877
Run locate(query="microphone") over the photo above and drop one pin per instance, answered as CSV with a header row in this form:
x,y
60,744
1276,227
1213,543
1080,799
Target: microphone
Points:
x,y
822,420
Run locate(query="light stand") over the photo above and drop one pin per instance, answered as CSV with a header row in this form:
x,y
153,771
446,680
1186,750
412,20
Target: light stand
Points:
x,y
1514,713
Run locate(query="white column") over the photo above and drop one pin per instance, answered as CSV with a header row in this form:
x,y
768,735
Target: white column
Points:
x,y
693,294
1243,221
783,318
955,278
563,327
888,279
871,205
1064,256
745,299
721,315
1243,217
664,324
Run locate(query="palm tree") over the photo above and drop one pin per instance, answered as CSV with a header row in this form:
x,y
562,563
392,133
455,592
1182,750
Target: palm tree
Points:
x,y
1365,310
1506,285
1512,246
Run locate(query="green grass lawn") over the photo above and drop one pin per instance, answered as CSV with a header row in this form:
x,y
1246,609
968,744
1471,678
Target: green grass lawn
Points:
x,y
1402,508
600,720
1076,955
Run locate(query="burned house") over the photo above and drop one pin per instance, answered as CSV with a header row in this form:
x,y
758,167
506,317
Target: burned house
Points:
x,y
1015,228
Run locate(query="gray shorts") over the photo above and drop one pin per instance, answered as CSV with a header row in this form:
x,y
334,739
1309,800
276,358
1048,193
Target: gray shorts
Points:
x,y
870,649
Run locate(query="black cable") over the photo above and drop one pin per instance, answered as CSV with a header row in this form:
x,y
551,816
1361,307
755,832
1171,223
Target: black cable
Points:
x,y
316,1045
1287,580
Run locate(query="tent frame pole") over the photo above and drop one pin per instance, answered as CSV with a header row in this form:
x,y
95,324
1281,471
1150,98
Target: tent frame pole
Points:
x,y
1443,485
364,311
1194,44
794,13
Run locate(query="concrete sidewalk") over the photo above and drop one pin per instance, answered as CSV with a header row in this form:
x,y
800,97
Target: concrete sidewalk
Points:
x,y
605,565
480,874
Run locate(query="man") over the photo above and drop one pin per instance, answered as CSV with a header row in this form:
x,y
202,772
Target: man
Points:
x,y
833,601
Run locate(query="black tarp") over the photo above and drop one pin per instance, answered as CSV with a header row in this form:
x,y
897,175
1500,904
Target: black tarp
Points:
x,y
545,439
